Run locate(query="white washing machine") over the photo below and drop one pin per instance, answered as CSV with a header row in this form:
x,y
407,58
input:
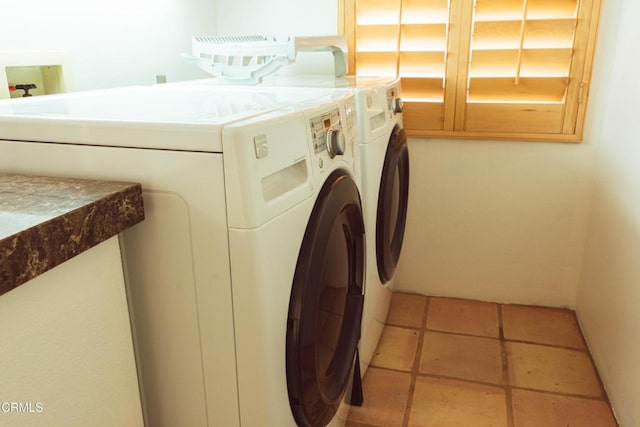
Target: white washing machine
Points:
x,y
383,173
318,224
248,229
384,176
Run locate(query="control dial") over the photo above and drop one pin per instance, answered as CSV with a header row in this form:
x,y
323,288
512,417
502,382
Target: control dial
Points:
x,y
335,142
397,105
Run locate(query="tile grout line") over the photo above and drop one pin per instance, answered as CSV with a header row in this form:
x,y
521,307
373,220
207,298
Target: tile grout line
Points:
x,y
462,334
561,394
505,369
416,364
358,424
460,380
542,344
497,385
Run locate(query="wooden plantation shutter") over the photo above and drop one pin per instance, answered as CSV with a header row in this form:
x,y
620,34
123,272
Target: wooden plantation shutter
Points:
x,y
512,69
521,66
407,38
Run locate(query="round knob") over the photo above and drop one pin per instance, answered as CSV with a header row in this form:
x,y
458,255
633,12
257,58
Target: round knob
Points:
x,y
335,142
397,105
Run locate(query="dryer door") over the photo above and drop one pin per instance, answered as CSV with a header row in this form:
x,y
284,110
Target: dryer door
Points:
x,y
325,309
392,204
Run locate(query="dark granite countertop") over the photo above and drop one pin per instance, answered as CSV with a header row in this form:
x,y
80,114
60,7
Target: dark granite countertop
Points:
x,y
45,221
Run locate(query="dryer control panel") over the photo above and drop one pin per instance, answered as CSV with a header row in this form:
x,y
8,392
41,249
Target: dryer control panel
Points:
x,y
323,127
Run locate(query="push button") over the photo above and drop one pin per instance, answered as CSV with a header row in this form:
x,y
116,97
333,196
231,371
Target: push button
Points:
x,y
260,145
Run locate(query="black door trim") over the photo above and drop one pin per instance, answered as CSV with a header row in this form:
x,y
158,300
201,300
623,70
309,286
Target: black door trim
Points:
x,y
316,381
392,202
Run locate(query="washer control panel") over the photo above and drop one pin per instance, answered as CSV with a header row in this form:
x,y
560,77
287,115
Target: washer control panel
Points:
x,y
394,101
325,131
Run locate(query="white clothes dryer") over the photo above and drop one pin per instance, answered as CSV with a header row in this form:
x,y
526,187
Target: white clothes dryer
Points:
x,y
384,175
240,221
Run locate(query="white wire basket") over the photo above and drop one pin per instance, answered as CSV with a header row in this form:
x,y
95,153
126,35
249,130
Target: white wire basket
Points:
x,y
247,59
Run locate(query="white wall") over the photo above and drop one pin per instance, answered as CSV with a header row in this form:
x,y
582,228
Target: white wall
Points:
x,y
277,17
282,19
112,43
608,303
496,221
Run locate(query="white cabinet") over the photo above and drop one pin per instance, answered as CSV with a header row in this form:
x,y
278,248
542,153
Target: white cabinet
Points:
x,y
66,353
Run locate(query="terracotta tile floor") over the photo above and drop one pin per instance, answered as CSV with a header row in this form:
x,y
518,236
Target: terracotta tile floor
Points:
x,y
447,362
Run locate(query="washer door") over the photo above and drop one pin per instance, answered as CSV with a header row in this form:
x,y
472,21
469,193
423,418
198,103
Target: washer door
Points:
x,y
392,204
325,309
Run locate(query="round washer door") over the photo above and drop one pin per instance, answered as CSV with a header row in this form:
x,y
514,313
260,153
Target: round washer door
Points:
x,y
325,309
392,204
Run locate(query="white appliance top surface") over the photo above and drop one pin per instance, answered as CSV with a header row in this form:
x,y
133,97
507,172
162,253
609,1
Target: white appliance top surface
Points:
x,y
326,81
319,81
178,118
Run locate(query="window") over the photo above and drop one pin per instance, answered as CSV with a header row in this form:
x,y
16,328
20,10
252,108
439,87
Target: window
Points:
x,y
509,69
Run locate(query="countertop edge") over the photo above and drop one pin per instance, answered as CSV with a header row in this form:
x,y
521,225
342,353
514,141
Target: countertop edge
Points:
x,y
37,249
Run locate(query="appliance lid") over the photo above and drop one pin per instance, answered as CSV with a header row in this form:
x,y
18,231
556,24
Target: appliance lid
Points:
x,y
248,59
